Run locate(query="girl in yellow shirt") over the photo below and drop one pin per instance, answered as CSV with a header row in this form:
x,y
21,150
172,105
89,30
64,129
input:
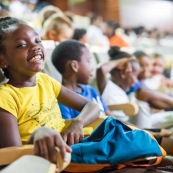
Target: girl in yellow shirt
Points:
x,y
29,99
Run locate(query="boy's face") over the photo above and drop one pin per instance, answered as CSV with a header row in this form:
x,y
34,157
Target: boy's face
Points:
x,y
84,70
24,53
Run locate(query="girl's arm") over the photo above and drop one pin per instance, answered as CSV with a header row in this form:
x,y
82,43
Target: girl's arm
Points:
x,y
101,74
155,99
9,133
89,113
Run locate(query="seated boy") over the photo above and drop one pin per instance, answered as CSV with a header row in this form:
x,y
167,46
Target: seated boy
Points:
x,y
72,59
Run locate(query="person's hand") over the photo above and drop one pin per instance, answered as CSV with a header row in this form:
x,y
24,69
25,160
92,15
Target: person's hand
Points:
x,y
124,64
45,140
74,133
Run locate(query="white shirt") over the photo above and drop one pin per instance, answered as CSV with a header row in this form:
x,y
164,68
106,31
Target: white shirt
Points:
x,y
153,83
113,94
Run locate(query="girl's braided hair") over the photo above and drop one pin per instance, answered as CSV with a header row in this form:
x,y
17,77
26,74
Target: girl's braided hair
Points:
x,y
5,24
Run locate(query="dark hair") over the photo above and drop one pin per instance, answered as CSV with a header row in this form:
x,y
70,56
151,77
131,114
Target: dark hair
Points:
x,y
65,51
139,54
115,53
94,17
5,24
112,24
157,55
79,33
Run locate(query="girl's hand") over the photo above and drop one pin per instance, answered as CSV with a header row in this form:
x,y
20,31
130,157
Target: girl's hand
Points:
x,y
45,140
124,64
74,133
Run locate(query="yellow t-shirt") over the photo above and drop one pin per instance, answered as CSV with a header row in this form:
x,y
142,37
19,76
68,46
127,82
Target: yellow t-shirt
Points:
x,y
33,106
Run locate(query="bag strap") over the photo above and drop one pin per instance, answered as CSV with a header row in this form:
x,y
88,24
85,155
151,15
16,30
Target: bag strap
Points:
x,y
151,161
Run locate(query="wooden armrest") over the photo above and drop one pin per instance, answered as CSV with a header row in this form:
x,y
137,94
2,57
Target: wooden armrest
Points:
x,y
128,108
10,154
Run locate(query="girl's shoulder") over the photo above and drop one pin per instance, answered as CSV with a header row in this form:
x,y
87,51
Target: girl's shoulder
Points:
x,y
42,77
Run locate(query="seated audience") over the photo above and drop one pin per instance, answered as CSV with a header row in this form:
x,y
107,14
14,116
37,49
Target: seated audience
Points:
x,y
29,101
152,98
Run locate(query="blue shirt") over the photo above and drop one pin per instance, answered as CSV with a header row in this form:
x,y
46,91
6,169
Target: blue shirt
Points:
x,y
135,87
88,92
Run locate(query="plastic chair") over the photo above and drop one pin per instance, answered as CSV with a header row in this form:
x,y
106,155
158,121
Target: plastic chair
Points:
x,y
128,108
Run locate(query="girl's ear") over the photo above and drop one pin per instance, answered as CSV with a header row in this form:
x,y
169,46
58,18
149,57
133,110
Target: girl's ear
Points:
x,y
3,63
74,65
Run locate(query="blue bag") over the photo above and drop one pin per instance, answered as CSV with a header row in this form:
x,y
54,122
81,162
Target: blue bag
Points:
x,y
113,142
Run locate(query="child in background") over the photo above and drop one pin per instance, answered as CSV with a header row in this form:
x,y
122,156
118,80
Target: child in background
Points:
x,y
80,35
29,98
151,73
123,70
57,28
48,11
72,59
109,29
153,98
158,69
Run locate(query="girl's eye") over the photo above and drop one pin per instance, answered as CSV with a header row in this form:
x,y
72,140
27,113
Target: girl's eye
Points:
x,y
38,41
21,45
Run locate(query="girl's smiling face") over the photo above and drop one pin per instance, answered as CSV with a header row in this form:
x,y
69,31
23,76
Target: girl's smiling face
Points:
x,y
23,53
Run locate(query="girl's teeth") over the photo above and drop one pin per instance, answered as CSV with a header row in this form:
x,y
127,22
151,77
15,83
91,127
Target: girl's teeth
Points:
x,y
38,57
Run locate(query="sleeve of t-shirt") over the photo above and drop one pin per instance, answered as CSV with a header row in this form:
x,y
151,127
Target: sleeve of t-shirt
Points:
x,y
9,103
135,87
